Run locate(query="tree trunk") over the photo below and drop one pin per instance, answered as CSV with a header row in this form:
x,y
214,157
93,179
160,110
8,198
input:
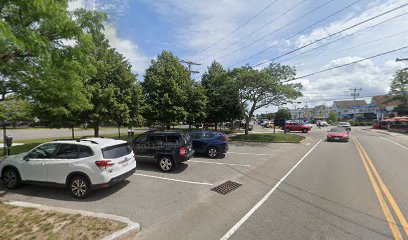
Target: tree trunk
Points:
x,y
96,130
72,132
247,125
216,126
248,117
168,127
119,131
189,126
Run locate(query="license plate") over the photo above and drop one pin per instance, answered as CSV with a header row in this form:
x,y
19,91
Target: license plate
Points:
x,y
336,138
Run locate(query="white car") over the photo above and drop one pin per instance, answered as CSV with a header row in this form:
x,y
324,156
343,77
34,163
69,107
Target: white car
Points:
x,y
80,165
322,123
345,125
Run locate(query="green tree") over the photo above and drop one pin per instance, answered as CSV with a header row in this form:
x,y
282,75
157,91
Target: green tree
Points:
x,y
46,57
113,90
36,62
283,114
223,95
196,106
15,109
399,91
332,117
165,88
262,88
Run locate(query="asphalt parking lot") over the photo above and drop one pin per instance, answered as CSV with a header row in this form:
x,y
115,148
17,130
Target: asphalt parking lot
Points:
x,y
151,197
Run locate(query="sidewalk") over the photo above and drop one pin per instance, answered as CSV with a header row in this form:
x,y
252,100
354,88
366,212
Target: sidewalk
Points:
x,y
397,137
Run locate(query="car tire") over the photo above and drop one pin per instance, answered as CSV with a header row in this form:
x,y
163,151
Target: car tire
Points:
x,y
166,163
304,130
79,187
212,152
11,178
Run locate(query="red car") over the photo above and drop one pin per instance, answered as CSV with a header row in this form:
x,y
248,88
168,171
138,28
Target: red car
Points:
x,y
297,127
338,134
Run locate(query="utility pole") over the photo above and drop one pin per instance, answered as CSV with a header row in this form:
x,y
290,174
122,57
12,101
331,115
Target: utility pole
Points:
x,y
304,115
189,63
355,93
401,59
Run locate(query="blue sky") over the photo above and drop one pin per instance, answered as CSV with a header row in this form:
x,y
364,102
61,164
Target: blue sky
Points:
x,y
141,29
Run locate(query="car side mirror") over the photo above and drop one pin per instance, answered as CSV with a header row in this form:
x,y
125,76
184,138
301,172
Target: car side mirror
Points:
x,y
26,158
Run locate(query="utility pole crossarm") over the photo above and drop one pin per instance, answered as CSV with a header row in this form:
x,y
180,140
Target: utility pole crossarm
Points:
x,y
401,59
189,63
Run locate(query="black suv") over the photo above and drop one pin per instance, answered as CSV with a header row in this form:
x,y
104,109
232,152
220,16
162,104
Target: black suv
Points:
x,y
166,149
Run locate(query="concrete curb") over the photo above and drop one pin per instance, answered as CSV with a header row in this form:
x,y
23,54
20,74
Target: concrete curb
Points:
x,y
132,226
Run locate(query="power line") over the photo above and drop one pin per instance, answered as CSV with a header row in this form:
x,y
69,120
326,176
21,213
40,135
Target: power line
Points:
x,y
333,34
301,31
347,64
239,27
349,35
267,24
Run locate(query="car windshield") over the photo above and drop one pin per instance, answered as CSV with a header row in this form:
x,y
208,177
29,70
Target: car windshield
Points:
x,y
338,130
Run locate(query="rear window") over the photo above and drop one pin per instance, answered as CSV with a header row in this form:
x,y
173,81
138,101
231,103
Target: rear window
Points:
x,y
116,151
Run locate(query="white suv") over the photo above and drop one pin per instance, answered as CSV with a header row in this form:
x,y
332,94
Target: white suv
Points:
x,y
81,165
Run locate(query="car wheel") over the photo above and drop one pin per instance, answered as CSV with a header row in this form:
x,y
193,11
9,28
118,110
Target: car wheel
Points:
x,y
79,187
166,164
304,131
11,178
212,152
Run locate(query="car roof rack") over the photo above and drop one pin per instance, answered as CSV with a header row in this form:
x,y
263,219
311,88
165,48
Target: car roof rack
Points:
x,y
77,140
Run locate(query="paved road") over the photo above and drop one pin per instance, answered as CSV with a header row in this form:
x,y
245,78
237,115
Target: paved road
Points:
x,y
336,191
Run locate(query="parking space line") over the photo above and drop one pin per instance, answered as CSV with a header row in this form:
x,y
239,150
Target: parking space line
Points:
x,y
254,208
221,163
395,143
172,179
256,154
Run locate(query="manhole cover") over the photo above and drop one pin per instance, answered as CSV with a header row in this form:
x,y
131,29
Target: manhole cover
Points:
x,y
226,187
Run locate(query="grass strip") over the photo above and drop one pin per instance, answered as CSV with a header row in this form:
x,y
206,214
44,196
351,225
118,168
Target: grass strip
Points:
x,y
31,223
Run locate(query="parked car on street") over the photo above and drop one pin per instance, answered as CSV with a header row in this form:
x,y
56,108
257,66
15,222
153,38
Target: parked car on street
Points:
x,y
81,165
345,125
210,143
166,149
299,127
338,134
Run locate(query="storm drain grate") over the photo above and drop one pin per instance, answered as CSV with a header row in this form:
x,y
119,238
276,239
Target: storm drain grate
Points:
x,y
226,187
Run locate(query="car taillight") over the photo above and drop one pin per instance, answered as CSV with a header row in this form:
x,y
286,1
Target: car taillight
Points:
x,y
183,151
104,164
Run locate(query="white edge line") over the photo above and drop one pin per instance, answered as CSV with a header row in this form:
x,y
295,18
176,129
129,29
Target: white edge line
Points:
x,y
394,142
221,163
131,225
254,208
171,179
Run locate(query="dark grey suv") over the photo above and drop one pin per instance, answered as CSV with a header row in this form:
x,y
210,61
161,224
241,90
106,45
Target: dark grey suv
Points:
x,y
166,149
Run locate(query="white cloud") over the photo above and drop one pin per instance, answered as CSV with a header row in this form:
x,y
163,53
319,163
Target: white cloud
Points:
x,y
373,78
128,48
73,5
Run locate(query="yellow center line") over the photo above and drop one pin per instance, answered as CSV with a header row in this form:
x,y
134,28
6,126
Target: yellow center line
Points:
x,y
390,219
386,192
